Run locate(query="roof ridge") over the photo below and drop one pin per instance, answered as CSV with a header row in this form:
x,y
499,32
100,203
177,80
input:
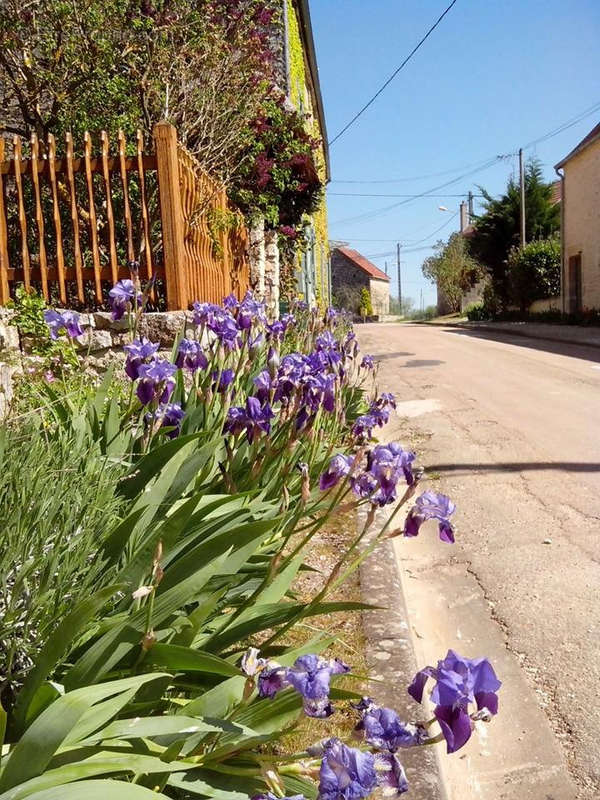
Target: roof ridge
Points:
x,y
362,262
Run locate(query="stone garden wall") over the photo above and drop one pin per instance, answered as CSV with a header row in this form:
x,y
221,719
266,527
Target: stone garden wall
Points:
x,y
101,344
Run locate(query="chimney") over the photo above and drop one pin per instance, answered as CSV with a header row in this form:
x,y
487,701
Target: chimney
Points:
x,y
464,217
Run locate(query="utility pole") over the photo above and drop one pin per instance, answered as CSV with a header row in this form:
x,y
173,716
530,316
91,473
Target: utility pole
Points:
x,y
386,272
470,201
522,187
399,276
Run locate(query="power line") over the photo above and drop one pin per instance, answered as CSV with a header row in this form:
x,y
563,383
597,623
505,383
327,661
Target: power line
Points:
x,y
417,177
418,241
377,194
437,230
393,75
379,211
564,126
545,137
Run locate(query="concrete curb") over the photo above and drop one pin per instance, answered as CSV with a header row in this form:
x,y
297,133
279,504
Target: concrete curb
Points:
x,y
393,663
529,331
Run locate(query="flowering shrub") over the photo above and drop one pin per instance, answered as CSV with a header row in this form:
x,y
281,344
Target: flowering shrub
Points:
x,y
279,179
173,669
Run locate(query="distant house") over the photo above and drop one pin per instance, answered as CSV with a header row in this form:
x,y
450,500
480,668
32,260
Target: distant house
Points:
x,y
580,224
351,270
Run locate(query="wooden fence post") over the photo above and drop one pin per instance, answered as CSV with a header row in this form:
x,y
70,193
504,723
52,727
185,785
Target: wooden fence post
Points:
x,y
4,265
171,214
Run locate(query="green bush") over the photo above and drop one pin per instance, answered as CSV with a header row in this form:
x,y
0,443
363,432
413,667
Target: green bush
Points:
x,y
366,308
534,271
476,312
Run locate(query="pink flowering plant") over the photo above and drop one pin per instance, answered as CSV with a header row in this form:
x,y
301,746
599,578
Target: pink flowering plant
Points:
x,y
173,675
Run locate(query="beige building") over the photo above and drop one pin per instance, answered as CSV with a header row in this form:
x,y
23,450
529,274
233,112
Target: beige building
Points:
x,y
580,224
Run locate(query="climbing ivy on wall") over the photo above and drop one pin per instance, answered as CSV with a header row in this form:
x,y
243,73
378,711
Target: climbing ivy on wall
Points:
x,y
302,100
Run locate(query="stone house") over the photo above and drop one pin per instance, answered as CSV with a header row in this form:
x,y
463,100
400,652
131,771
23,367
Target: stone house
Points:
x,y
350,269
580,224
297,75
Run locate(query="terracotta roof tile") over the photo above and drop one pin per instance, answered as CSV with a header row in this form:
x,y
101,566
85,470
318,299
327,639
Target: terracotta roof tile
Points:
x,y
363,263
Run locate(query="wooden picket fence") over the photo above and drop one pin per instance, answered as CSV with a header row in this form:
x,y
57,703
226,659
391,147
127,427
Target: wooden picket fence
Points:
x,y
69,225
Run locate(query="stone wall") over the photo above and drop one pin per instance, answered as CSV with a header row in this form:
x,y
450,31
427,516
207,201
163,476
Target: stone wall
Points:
x,y
380,297
101,344
345,273
264,266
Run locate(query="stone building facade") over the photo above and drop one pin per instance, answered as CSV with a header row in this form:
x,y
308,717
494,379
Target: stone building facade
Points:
x,y
580,225
297,75
351,270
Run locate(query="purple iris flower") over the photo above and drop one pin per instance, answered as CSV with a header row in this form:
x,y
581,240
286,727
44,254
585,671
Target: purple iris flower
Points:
x,y
250,311
383,728
66,320
230,302
346,773
270,796
402,459
301,305
276,330
225,381
350,345
318,389
205,312
288,320
156,381
263,385
225,329
363,484
363,426
331,314
140,351
367,362
190,355
387,400
123,296
390,774
310,676
386,466
272,680
459,683
254,419
380,415
171,416
326,341
338,468
431,505
328,345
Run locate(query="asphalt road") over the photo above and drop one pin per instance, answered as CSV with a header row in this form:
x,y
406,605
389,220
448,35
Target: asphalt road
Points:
x,y
508,427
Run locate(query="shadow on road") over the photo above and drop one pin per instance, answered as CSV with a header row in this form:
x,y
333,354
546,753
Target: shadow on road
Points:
x,y
388,356
423,362
517,466
573,350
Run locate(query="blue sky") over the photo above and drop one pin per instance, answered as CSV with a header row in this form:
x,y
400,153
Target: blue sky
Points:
x,y
493,76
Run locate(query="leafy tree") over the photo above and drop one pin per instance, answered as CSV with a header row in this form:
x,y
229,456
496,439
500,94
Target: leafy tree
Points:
x,y
452,269
366,308
210,67
534,271
497,230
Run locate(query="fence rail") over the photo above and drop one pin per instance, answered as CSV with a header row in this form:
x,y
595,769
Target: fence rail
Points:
x,y
70,224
